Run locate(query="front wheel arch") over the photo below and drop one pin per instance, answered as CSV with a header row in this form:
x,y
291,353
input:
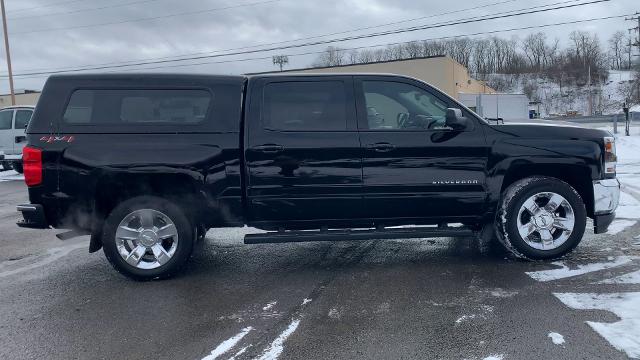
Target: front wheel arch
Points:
x,y
515,196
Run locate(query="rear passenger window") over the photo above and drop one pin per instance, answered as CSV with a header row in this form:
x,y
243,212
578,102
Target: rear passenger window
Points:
x,y
22,118
152,106
305,106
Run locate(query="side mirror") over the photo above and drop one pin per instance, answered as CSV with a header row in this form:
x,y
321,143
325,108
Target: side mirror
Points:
x,y
455,120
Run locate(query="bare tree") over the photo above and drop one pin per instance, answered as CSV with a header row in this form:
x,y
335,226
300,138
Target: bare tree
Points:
x,y
332,56
366,56
413,49
628,51
280,60
616,49
354,57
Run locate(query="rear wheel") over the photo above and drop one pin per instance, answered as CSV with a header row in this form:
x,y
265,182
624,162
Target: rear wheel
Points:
x,y
541,218
17,166
147,237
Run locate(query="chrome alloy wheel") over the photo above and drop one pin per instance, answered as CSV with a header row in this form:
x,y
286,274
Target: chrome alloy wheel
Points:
x,y
146,239
546,221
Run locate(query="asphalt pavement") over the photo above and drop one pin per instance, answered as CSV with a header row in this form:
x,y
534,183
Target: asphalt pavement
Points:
x,y
407,299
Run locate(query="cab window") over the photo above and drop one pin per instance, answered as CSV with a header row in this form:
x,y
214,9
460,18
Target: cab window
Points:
x,y
305,106
399,106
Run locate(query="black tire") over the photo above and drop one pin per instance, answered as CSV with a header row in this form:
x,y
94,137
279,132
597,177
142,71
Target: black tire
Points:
x,y
512,200
183,227
4,166
17,166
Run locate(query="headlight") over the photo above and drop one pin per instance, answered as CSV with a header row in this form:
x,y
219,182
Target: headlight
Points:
x,y
610,158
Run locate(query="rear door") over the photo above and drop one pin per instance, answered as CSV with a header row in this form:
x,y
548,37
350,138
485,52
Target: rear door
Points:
x,y
6,131
414,166
303,151
22,118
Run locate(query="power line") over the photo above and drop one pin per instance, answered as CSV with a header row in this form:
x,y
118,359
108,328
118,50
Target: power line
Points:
x,y
320,42
25,76
147,18
82,10
302,38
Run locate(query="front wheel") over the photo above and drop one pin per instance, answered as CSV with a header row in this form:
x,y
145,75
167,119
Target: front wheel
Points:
x,y
540,218
147,237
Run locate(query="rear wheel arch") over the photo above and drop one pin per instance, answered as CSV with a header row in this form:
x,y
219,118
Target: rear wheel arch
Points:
x,y
157,247
112,190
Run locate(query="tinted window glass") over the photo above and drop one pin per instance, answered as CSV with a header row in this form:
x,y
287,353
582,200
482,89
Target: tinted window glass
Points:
x,y
22,118
5,119
305,106
137,107
399,106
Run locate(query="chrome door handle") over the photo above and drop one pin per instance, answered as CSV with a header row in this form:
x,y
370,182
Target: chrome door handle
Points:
x,y
269,148
381,147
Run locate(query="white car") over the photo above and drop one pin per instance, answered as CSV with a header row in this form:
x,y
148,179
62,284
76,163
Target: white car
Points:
x,y
13,122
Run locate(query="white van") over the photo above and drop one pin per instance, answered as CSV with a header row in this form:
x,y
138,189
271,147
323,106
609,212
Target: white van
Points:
x,y
13,122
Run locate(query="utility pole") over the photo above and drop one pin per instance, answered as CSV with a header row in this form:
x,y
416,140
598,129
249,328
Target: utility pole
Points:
x,y
8,52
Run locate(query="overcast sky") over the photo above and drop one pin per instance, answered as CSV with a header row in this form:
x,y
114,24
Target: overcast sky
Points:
x,y
57,34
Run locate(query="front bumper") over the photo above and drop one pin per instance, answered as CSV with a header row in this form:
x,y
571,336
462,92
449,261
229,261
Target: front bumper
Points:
x,y
33,216
606,195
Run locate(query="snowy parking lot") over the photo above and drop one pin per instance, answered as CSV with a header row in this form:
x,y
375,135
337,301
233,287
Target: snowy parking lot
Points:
x,y
421,298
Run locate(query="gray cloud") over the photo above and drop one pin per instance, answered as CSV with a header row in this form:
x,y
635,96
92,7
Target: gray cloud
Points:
x,y
246,26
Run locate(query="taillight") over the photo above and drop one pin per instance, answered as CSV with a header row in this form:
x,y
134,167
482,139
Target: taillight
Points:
x,y
32,165
610,158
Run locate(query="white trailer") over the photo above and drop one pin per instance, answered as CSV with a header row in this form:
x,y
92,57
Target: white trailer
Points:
x,y
497,106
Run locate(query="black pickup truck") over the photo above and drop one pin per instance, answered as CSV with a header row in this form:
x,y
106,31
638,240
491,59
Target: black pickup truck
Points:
x,y
147,163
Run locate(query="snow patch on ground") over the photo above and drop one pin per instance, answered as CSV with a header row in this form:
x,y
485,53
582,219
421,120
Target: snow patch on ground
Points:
x,y
630,278
557,339
624,335
10,175
565,272
494,357
334,313
269,306
619,226
305,301
276,347
227,344
464,318
239,352
501,293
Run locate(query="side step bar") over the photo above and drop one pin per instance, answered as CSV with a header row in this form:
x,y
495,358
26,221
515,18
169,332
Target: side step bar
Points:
x,y
347,235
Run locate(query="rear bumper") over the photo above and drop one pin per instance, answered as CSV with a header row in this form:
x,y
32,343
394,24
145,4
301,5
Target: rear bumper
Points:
x,y
33,216
606,195
11,157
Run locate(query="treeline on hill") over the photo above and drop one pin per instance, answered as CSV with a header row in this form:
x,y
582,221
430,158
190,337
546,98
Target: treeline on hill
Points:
x,y
535,54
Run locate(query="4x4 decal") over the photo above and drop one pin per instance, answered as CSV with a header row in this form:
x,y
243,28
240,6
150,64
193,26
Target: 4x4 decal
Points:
x,y
50,139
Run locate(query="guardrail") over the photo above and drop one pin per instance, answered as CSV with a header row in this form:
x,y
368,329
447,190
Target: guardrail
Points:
x,y
594,119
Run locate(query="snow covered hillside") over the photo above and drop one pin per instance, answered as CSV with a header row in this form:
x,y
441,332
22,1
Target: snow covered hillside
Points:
x,y
608,94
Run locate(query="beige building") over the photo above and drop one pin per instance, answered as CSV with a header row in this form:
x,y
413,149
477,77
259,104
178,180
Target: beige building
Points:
x,y
440,71
23,97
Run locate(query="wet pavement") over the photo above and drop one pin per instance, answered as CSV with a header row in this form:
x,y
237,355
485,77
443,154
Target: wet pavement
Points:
x,y
427,298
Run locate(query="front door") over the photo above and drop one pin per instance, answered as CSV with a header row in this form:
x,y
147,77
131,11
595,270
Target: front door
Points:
x,y
303,151
413,165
